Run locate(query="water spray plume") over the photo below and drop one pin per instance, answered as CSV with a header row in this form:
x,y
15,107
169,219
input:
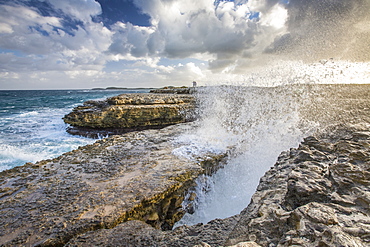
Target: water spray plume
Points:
x,y
322,29
276,98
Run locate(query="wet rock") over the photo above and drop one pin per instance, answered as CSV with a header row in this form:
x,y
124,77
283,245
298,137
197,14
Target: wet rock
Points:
x,y
135,176
315,195
128,112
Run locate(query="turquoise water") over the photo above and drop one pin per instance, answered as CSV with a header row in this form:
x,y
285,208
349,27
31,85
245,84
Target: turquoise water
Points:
x,y
31,125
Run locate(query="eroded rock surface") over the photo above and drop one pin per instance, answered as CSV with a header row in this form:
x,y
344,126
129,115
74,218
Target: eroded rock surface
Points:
x,y
136,233
135,176
128,112
315,195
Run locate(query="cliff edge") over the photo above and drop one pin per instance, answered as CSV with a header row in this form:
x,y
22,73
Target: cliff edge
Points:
x,y
315,195
135,176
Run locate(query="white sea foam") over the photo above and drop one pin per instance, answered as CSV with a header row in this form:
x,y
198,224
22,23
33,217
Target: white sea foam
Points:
x,y
34,136
199,144
228,191
256,124
28,114
30,154
33,129
38,148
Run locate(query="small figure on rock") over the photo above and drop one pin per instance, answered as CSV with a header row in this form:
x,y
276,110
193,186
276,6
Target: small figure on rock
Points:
x,y
194,83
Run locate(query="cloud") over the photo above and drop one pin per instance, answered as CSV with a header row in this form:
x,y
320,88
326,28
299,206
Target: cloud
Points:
x,y
226,31
129,40
23,29
79,10
236,33
63,39
45,42
141,74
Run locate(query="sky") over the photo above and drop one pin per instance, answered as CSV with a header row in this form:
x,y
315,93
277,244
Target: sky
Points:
x,y
78,44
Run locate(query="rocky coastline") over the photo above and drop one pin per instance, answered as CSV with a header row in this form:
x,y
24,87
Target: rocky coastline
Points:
x,y
127,190
134,176
315,195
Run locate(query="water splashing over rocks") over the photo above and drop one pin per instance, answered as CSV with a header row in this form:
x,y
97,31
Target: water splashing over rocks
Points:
x,y
258,123
314,195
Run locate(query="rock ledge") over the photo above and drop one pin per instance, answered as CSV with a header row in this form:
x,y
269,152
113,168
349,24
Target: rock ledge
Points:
x,y
315,195
135,176
129,112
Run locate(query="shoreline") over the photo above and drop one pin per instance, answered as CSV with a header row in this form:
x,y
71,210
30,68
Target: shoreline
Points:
x,y
277,196
134,176
33,177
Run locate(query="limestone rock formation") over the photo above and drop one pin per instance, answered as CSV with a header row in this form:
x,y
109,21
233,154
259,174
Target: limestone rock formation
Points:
x,y
315,195
135,176
124,190
136,233
128,112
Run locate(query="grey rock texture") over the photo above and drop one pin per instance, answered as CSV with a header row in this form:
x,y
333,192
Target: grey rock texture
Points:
x,y
315,195
123,190
135,176
136,233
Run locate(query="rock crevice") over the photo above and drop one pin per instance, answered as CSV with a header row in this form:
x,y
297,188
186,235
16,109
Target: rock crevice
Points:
x,y
315,195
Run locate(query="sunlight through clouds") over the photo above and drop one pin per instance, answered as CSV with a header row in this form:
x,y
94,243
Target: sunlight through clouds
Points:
x,y
62,39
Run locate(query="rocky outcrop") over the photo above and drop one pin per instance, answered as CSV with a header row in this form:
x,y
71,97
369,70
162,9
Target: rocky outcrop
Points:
x,y
128,112
135,176
315,195
125,190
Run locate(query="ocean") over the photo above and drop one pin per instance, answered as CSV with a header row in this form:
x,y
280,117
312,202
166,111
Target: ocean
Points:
x,y
31,125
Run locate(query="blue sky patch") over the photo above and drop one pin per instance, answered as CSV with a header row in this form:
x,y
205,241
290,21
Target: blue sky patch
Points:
x,y
123,11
